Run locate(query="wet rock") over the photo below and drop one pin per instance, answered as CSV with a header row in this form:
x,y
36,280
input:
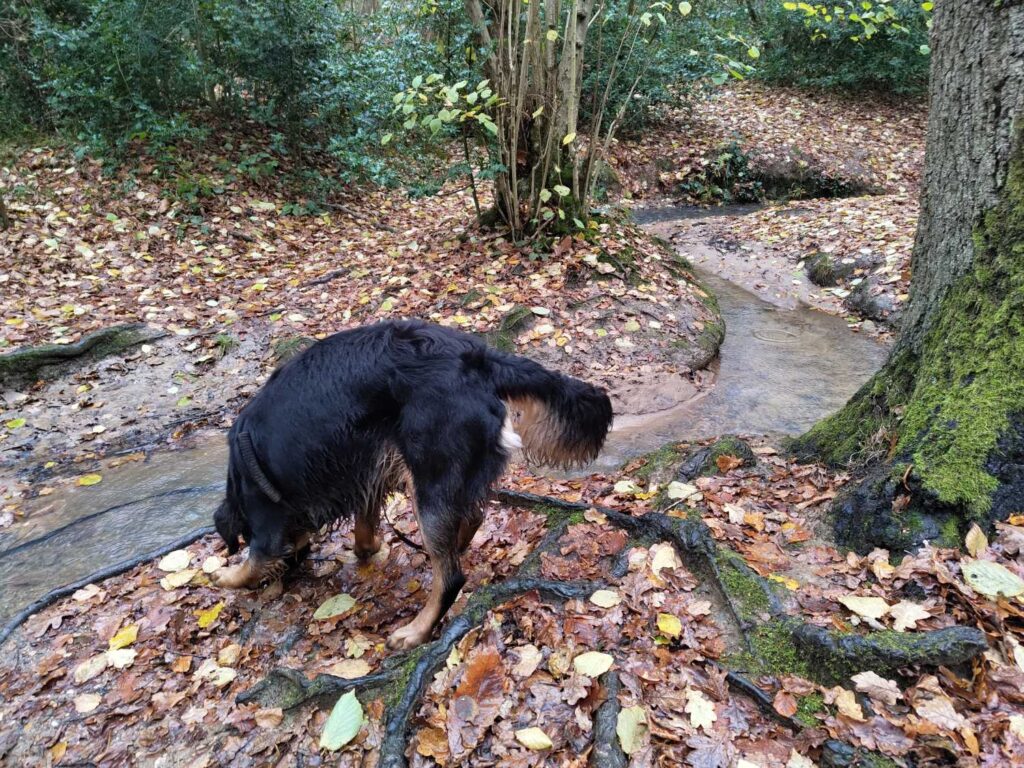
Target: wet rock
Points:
x,y
868,300
826,271
704,461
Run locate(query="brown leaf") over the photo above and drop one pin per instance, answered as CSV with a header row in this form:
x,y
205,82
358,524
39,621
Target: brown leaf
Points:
x,y
785,704
475,703
726,462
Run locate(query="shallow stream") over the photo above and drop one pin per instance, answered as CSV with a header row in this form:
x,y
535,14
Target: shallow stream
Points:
x,y
780,369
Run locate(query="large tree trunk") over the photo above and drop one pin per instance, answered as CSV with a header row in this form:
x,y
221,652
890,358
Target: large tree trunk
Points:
x,y
940,429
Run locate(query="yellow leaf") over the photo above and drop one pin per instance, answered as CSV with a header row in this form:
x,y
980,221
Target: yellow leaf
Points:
x,y
593,663
207,617
228,655
906,615
125,637
976,541
568,139
89,479
58,750
664,557
533,738
846,702
670,625
788,583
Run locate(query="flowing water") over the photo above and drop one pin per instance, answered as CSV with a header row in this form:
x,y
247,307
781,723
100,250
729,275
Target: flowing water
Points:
x,y
780,369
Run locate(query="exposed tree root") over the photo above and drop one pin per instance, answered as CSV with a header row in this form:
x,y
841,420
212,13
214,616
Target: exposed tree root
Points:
x,y
606,751
46,360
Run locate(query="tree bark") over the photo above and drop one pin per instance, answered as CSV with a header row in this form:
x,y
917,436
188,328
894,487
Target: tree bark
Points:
x,y
940,429
5,219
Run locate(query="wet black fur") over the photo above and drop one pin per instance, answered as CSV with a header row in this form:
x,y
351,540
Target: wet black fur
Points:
x,y
320,428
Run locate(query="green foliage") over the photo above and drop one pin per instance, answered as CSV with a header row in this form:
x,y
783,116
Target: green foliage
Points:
x,y
881,44
727,176
114,74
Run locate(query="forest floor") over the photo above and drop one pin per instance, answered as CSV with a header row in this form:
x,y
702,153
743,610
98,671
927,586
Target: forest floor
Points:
x,y
125,668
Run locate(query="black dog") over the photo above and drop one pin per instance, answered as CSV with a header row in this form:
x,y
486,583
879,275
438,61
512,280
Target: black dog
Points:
x,y
350,420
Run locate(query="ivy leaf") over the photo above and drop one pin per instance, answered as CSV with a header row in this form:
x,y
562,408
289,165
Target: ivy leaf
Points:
x,y
343,723
562,190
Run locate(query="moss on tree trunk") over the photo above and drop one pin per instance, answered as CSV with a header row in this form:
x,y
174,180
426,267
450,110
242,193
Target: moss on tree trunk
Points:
x,y
939,431
944,427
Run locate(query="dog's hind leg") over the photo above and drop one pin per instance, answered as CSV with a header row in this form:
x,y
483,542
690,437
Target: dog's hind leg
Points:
x,y
439,526
468,526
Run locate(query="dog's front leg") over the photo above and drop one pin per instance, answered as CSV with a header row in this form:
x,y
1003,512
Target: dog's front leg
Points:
x,y
249,574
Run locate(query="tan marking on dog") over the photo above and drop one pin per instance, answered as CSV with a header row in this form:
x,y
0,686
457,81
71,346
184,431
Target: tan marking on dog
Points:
x,y
541,433
417,631
250,573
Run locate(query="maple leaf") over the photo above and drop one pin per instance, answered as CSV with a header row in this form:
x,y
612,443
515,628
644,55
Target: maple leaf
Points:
x,y
710,751
700,709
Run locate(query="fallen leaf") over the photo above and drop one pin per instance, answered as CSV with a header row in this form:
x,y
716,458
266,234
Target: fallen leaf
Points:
x,y
670,625
631,728
343,723
433,742
529,658
939,709
122,658
846,703
593,663
350,668
726,462
89,668
175,561
213,563
796,760
866,607
228,655
335,606
992,579
206,617
678,491
178,579
785,704
269,718
907,614
125,637
87,702
877,687
700,709
605,598
533,738
976,541
89,479
664,557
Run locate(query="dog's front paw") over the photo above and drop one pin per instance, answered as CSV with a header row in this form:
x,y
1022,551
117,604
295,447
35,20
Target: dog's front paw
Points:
x,y
235,577
408,637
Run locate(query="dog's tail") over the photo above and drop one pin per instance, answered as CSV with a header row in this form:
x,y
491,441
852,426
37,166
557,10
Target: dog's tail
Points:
x,y
561,420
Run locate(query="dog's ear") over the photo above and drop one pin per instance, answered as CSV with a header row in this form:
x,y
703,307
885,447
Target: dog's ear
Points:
x,y
226,524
